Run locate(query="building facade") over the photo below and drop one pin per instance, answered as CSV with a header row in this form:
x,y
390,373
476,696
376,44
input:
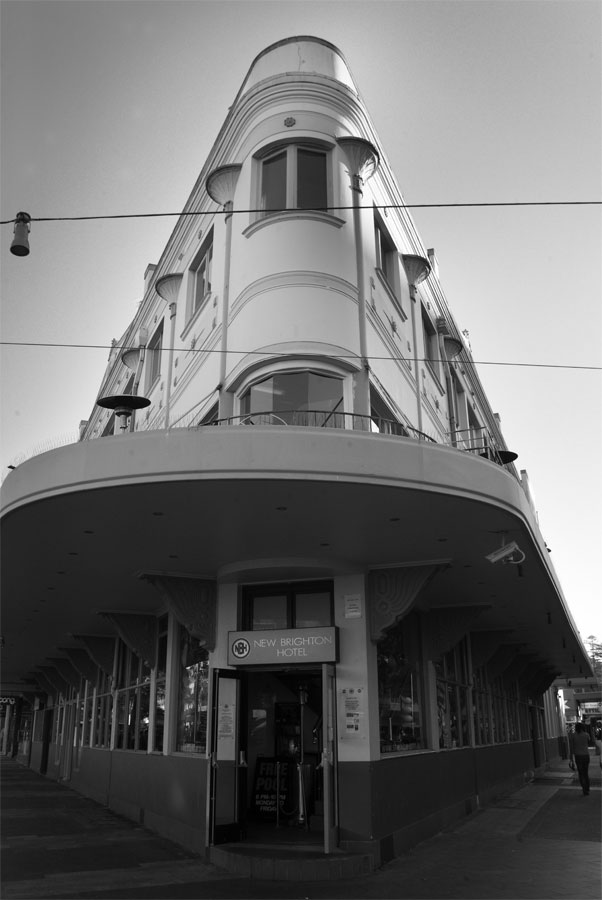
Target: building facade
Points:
x,y
291,575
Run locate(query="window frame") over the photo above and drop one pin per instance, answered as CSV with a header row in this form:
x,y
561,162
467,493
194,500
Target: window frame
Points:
x,y
430,342
387,262
194,303
402,717
291,149
153,357
334,418
289,589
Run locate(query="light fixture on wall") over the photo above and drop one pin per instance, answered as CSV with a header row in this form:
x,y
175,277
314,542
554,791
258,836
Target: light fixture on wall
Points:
x,y
123,405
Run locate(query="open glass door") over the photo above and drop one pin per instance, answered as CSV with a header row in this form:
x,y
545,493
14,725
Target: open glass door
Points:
x,y
328,762
228,768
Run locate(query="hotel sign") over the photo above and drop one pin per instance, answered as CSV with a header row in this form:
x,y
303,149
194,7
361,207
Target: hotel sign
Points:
x,y
295,645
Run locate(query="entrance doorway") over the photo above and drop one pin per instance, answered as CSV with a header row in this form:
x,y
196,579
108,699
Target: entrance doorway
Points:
x,y
273,756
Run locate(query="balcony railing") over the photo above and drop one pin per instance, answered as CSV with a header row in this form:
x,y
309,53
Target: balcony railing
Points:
x,y
317,418
477,441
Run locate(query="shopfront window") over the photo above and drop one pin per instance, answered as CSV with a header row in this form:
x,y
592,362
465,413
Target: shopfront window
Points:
x,y
161,674
452,698
295,398
400,688
133,700
482,709
193,695
100,712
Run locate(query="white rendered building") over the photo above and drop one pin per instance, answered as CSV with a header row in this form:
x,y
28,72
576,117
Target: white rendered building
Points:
x,y
314,560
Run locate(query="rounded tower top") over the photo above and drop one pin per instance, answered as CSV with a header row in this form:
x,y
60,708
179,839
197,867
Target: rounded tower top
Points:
x,y
297,55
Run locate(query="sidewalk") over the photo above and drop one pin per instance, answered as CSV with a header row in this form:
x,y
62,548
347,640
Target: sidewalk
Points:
x,y
541,842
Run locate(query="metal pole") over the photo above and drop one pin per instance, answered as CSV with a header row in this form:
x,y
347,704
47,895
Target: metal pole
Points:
x,y
172,337
362,406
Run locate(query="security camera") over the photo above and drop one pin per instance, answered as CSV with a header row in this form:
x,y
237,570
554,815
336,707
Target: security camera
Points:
x,y
504,553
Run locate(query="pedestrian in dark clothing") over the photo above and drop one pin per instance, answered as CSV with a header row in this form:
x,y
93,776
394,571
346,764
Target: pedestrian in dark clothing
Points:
x,y
580,753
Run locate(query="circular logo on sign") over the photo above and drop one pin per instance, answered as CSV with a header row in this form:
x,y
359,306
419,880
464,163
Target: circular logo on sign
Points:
x,y
241,648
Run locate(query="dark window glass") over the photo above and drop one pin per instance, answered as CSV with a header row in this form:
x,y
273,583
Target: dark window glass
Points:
x,y
273,182
193,695
311,179
305,605
297,398
153,356
202,279
312,610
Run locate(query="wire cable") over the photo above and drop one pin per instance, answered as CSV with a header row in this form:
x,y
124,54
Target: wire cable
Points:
x,y
271,353
511,203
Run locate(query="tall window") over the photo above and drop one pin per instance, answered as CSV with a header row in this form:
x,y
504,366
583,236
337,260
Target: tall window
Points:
x,y
387,258
193,695
452,698
294,177
295,398
201,276
431,345
133,699
153,357
161,673
100,712
400,688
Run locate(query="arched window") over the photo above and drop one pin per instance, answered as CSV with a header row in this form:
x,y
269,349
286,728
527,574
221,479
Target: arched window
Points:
x,y
295,398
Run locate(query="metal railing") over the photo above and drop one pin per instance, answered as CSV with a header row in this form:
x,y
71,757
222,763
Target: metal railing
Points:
x,y
480,442
317,418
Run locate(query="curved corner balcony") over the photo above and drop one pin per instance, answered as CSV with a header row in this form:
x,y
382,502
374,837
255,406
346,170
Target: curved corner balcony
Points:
x,y
309,495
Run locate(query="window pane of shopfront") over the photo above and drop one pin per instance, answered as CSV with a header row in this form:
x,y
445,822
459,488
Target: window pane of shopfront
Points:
x,y
452,698
399,688
193,695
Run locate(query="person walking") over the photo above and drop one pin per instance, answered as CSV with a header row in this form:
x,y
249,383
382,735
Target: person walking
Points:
x,y
580,754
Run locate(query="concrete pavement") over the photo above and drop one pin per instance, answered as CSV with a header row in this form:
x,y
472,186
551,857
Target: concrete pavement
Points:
x,y
541,842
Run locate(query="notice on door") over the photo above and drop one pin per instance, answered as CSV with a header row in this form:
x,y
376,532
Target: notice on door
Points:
x,y
352,722
274,783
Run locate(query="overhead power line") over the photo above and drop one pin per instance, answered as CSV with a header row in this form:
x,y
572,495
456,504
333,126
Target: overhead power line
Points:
x,y
481,362
316,209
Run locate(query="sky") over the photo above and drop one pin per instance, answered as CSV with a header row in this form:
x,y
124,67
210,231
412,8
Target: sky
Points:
x,y
110,107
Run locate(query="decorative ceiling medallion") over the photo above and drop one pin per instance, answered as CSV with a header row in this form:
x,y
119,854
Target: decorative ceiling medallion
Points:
x,y
289,121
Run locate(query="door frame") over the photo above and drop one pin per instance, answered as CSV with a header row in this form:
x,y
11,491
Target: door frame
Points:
x,y
228,755
329,762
